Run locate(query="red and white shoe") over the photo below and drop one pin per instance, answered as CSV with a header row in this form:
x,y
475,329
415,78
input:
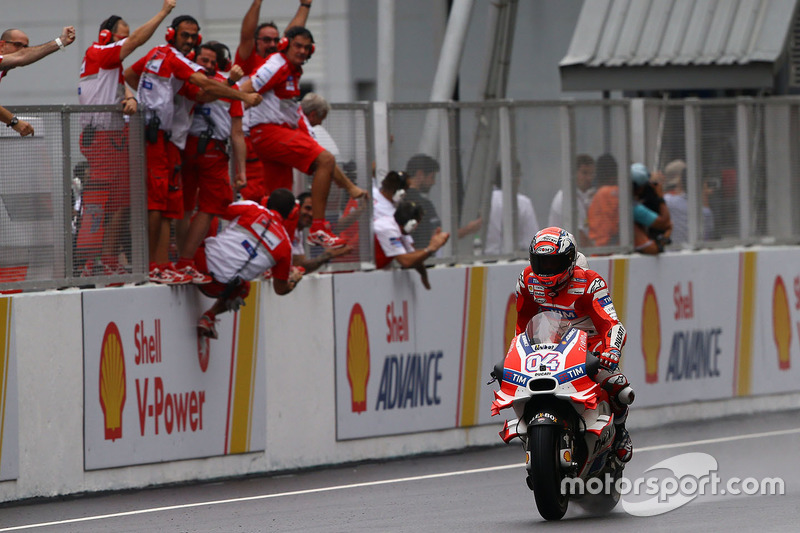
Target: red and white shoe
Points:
x,y
321,234
197,277
166,275
206,327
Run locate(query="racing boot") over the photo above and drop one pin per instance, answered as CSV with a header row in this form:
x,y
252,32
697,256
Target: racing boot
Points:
x,y
620,394
622,445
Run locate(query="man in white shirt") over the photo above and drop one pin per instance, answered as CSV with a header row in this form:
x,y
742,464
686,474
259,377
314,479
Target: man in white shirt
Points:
x,y
527,223
584,176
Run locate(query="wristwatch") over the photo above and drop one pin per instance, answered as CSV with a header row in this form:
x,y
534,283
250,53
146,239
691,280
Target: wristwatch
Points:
x,y
13,122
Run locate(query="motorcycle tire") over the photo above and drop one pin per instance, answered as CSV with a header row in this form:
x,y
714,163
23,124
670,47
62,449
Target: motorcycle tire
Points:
x,y
546,474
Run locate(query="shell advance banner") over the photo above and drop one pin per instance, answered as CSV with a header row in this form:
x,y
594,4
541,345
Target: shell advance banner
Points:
x,y
701,326
155,392
9,434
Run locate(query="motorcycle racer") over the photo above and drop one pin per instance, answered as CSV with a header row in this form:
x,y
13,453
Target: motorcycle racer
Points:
x,y
554,282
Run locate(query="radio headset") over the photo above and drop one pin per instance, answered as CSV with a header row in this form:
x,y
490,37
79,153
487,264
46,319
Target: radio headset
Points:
x,y
107,30
172,31
293,32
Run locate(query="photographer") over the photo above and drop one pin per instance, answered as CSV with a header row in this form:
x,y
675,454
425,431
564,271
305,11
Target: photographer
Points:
x,y
652,222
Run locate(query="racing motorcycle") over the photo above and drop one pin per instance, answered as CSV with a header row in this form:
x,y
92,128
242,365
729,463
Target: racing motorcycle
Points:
x,y
564,418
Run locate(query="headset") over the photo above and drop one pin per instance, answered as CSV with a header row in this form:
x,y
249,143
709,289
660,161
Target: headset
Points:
x,y
107,30
407,216
173,28
293,32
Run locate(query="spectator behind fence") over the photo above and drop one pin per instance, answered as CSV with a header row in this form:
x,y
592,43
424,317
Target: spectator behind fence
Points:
x,y
393,242
207,190
277,137
104,136
651,227
15,52
159,76
602,217
256,240
527,223
256,43
677,201
299,258
584,176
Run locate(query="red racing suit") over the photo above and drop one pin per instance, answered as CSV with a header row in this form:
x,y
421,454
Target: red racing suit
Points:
x,y
584,300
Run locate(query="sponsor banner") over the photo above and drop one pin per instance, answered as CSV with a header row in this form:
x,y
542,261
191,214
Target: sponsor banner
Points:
x,y
398,351
154,391
680,312
9,423
770,352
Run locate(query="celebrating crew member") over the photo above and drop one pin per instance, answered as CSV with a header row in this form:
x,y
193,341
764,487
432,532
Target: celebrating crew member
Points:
x,y
206,181
277,138
15,52
256,240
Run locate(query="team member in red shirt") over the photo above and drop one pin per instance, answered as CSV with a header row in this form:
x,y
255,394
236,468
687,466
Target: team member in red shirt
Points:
x,y
206,181
553,282
256,43
159,76
277,137
14,50
104,136
256,240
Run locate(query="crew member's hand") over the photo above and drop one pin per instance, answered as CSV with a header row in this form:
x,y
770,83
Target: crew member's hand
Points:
x,y
129,106
168,6
610,359
241,180
438,239
23,128
67,35
235,74
252,99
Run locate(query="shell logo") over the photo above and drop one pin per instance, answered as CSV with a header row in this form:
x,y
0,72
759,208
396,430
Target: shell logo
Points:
x,y
112,381
358,358
651,335
510,324
781,323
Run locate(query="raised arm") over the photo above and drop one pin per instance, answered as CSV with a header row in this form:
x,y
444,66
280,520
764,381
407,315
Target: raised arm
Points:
x,y
247,35
222,90
301,16
141,34
26,56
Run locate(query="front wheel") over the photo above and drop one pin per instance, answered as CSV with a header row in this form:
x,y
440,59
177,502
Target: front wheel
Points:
x,y
545,474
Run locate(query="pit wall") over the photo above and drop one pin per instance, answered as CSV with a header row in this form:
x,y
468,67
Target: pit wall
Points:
x,y
109,388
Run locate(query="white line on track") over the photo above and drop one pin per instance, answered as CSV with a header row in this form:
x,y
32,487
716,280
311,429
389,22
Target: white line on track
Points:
x,y
377,483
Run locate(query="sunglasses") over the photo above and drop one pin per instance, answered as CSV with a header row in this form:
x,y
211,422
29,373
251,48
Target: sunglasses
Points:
x,y
268,39
18,44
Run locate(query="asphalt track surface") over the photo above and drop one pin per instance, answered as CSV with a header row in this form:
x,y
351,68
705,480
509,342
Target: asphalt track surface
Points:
x,y
480,490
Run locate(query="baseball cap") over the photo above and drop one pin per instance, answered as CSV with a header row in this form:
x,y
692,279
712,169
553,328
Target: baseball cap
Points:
x,y
639,174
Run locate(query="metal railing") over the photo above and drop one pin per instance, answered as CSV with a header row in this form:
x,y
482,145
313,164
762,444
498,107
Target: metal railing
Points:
x,y
741,175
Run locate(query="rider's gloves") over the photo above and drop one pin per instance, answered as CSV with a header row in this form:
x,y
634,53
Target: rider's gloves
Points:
x,y
610,359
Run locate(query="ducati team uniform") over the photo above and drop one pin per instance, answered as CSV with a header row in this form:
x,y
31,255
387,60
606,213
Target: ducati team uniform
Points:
x,y
389,241
253,242
104,135
275,129
206,179
584,300
163,71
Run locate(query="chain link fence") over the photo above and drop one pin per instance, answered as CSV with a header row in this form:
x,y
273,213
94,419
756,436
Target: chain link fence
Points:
x,y
74,200
72,194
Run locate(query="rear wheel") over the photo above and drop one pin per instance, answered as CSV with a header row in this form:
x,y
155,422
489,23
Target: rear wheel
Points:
x,y
546,475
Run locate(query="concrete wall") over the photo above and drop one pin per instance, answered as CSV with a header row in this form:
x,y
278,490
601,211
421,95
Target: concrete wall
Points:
x,y
753,358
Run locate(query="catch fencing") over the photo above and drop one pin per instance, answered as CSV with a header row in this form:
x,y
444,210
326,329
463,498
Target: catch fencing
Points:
x,y
740,185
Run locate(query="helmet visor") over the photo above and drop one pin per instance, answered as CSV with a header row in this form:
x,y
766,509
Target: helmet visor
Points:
x,y
548,265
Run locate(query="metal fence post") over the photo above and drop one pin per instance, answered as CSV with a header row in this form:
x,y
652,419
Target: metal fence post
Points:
x,y
66,173
694,195
743,168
